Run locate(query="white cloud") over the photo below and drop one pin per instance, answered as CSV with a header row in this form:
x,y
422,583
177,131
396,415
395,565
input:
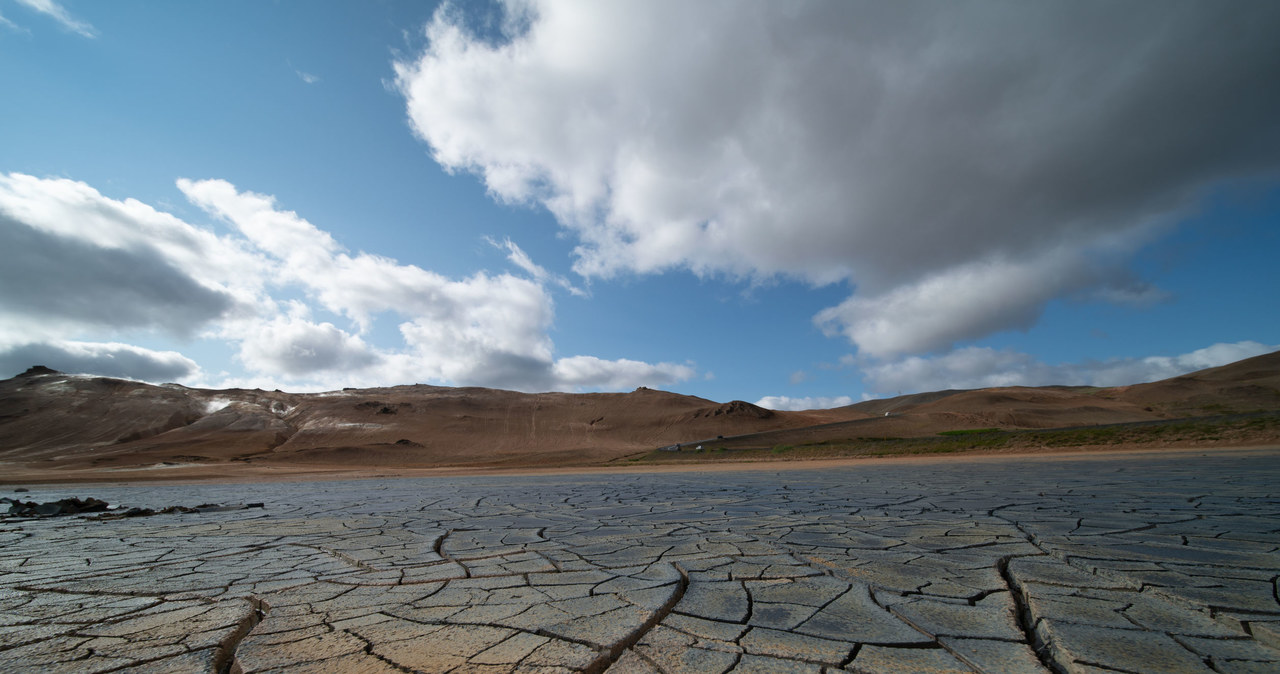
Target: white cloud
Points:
x,y
294,347
896,146
977,299
282,234
488,330
957,304
74,263
361,286
110,359
800,404
594,373
58,13
980,367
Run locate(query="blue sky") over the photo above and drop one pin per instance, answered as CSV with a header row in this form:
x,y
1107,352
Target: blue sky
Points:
x,y
800,204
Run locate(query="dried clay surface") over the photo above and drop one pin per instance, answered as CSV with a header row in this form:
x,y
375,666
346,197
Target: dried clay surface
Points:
x,y
1140,564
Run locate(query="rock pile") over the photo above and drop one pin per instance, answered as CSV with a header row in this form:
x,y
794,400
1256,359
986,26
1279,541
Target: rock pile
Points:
x,y
66,506
76,506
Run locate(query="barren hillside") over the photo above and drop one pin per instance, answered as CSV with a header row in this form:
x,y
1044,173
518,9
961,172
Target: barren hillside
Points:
x,y
57,423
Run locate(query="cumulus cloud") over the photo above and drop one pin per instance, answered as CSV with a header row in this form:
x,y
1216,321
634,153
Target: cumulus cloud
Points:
x,y
74,262
454,327
69,280
295,347
799,404
485,329
592,372
980,367
960,303
363,285
72,259
106,359
911,149
973,300
59,13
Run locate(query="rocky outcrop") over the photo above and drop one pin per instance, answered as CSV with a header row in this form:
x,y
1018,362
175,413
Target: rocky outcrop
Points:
x,y
736,408
66,506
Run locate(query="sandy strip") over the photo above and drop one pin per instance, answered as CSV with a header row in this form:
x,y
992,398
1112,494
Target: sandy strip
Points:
x,y
13,474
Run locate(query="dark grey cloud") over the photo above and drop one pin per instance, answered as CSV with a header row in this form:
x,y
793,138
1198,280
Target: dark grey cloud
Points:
x,y
48,277
106,360
515,371
1016,126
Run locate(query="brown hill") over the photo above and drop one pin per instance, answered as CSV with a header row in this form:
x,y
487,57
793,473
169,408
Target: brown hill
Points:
x,y
57,421
1246,386
54,423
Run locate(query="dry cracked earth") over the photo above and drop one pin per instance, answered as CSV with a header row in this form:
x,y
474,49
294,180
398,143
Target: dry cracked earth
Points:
x,y
1154,564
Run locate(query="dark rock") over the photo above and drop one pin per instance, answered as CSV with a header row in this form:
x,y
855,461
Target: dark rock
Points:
x,y
66,506
38,370
380,407
21,490
174,510
736,408
75,506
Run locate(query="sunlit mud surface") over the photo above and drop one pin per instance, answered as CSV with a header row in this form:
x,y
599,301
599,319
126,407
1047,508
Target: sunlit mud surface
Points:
x,y
1135,565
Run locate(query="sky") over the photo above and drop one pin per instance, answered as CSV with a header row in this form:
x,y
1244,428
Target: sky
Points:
x,y
800,204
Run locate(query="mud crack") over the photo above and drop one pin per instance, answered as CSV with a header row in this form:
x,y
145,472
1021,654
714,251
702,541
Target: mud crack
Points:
x,y
224,659
611,656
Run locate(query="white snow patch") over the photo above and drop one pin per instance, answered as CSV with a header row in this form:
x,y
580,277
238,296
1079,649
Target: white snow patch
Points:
x,y
216,404
335,422
58,386
154,466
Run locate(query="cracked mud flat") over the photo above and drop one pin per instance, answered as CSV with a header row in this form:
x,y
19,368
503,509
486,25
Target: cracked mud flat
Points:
x,y
1150,564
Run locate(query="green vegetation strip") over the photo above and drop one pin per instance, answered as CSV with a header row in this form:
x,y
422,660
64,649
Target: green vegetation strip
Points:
x,y
971,431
